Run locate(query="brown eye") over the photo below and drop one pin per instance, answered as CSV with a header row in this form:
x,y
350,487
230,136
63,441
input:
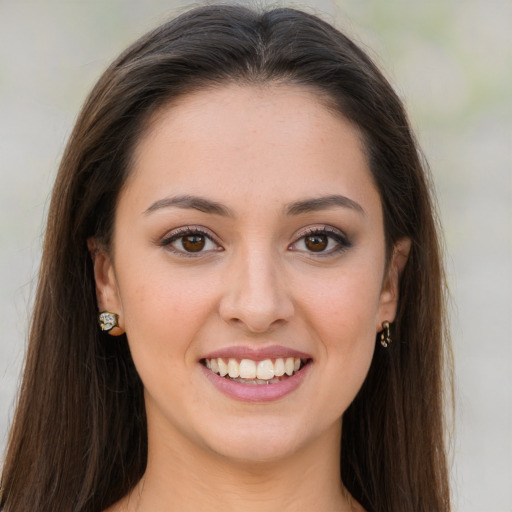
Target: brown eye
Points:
x,y
193,243
322,242
190,242
316,243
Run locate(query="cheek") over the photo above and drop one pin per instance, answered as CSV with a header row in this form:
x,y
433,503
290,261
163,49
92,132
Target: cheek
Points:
x,y
346,301
342,313
347,333
163,310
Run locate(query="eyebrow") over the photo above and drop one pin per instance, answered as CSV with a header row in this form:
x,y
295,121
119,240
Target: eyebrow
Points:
x,y
191,202
323,203
213,207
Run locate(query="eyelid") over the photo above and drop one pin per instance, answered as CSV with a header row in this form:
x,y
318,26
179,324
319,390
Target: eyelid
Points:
x,y
177,233
320,228
336,234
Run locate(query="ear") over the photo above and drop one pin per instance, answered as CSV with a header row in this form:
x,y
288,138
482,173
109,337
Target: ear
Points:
x,y
107,291
389,294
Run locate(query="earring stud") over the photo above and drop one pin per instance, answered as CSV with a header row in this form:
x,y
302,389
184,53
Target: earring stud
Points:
x,y
385,335
107,321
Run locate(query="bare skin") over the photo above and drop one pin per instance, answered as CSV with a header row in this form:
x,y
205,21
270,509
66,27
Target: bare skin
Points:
x,y
282,244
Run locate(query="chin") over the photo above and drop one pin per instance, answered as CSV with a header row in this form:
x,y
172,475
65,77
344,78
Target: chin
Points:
x,y
264,441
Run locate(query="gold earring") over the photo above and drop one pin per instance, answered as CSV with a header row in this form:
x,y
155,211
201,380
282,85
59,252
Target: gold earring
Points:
x,y
107,320
385,335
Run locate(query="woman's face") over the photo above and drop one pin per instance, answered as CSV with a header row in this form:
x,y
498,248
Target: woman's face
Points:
x,y
249,230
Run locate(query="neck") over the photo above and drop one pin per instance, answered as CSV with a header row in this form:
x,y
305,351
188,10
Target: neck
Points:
x,y
191,479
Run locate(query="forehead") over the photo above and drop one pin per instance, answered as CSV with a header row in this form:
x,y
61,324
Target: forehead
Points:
x,y
251,143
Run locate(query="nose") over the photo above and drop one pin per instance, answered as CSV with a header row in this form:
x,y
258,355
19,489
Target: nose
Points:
x,y
256,297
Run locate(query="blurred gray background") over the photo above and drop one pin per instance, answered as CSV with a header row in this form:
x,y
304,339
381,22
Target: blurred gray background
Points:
x,y
451,62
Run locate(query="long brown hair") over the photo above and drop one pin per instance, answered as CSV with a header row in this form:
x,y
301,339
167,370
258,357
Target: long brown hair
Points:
x,y
79,441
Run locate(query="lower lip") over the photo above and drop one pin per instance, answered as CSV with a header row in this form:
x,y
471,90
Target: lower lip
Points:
x,y
256,393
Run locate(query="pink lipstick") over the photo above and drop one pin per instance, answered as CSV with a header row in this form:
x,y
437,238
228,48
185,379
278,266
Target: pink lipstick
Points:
x,y
256,375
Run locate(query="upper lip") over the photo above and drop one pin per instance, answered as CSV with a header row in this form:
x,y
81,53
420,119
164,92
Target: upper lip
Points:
x,y
256,354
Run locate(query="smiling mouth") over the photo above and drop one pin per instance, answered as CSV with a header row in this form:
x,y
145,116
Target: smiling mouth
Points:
x,y
251,372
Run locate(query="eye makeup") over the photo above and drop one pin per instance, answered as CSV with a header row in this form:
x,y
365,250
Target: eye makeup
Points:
x,y
190,241
321,241
198,241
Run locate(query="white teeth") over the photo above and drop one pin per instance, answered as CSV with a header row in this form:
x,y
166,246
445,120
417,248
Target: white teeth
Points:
x,y
247,369
289,365
256,372
223,367
265,370
279,367
233,369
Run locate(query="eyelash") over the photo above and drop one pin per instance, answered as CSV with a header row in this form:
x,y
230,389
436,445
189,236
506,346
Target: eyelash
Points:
x,y
341,240
181,233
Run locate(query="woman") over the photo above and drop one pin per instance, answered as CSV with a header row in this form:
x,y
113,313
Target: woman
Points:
x,y
242,203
